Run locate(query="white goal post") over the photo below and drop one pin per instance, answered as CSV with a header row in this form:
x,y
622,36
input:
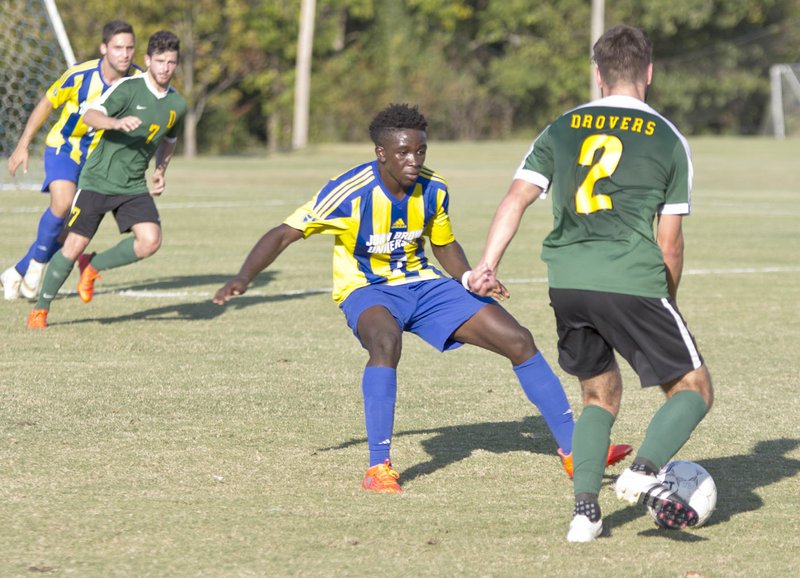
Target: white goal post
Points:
x,y
34,51
785,99
58,29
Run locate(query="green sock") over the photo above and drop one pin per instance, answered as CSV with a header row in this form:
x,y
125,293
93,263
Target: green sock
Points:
x,y
590,441
120,254
57,272
671,426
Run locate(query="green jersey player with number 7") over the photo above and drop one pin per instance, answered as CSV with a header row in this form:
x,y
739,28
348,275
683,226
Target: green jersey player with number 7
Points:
x,y
140,119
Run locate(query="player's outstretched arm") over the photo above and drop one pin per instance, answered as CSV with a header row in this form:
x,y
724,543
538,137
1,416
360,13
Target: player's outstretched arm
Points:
x,y
521,194
20,155
99,120
263,253
453,260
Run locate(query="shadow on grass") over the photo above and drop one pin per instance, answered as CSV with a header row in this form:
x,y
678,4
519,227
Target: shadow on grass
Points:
x,y
185,282
451,444
196,310
737,478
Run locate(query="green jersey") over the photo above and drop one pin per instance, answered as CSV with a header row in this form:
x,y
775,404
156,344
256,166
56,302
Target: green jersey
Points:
x,y
610,166
118,164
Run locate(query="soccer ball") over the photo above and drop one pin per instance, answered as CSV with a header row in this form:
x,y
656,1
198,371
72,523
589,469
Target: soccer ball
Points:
x,y
694,484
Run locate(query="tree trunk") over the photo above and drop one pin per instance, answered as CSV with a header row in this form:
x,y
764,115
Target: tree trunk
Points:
x,y
190,134
187,68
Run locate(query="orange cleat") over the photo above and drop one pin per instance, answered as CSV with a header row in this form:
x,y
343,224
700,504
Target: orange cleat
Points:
x,y
616,453
37,319
382,478
84,259
88,276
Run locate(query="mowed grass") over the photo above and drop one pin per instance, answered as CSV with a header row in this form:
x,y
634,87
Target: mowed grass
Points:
x,y
152,433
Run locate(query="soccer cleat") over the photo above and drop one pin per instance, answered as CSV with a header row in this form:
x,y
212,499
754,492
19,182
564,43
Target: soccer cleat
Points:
x,y
30,283
670,510
88,276
382,478
582,529
10,280
84,259
37,319
616,453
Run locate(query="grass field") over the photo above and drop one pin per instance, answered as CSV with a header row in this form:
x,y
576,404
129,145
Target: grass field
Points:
x,y
151,433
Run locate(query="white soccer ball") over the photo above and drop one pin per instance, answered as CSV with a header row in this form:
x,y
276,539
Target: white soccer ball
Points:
x,y
693,483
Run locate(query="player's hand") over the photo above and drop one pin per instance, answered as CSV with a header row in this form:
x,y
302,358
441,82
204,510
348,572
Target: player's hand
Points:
x,y
483,282
127,123
232,288
500,292
18,157
159,183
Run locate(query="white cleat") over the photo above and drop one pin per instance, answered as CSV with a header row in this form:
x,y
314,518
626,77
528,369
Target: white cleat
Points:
x,y
10,280
33,277
638,487
670,510
582,529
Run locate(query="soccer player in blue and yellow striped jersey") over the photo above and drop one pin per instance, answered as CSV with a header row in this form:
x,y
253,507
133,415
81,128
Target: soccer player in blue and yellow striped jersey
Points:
x,y
68,144
381,213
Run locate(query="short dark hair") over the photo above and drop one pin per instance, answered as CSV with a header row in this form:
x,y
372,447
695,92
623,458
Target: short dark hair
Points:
x,y
163,41
396,117
623,54
114,27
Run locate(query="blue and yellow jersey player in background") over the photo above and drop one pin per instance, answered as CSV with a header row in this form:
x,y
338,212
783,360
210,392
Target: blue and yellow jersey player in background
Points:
x,y
68,144
380,214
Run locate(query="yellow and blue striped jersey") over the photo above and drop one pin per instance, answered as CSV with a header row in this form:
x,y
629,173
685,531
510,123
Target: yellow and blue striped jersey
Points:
x,y
378,238
80,83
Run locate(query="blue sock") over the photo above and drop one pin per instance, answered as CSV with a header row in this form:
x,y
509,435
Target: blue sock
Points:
x,y
46,243
544,390
379,386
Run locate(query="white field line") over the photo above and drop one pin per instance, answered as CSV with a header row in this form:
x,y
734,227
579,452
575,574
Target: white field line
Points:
x,y
699,272
194,295
197,205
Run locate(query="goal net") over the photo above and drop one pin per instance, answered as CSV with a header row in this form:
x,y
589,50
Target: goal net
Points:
x,y
784,109
34,52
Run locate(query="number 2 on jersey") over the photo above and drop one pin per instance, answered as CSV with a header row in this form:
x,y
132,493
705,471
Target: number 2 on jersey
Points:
x,y
586,201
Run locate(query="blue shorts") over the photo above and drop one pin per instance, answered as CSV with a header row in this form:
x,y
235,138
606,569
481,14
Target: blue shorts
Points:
x,y
431,309
59,167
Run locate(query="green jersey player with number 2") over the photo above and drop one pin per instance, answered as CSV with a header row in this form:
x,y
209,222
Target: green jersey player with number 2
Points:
x,y
614,167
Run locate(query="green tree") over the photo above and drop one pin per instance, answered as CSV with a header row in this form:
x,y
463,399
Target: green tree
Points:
x,y
712,59
220,47
478,68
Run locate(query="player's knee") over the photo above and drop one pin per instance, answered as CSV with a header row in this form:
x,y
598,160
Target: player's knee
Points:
x,y
59,211
62,194
699,381
520,346
707,388
384,348
147,246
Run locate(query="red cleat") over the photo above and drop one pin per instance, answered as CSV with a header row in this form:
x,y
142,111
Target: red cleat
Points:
x,y
616,453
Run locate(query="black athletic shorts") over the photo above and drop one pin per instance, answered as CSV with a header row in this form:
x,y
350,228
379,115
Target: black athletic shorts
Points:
x,y
90,207
648,332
